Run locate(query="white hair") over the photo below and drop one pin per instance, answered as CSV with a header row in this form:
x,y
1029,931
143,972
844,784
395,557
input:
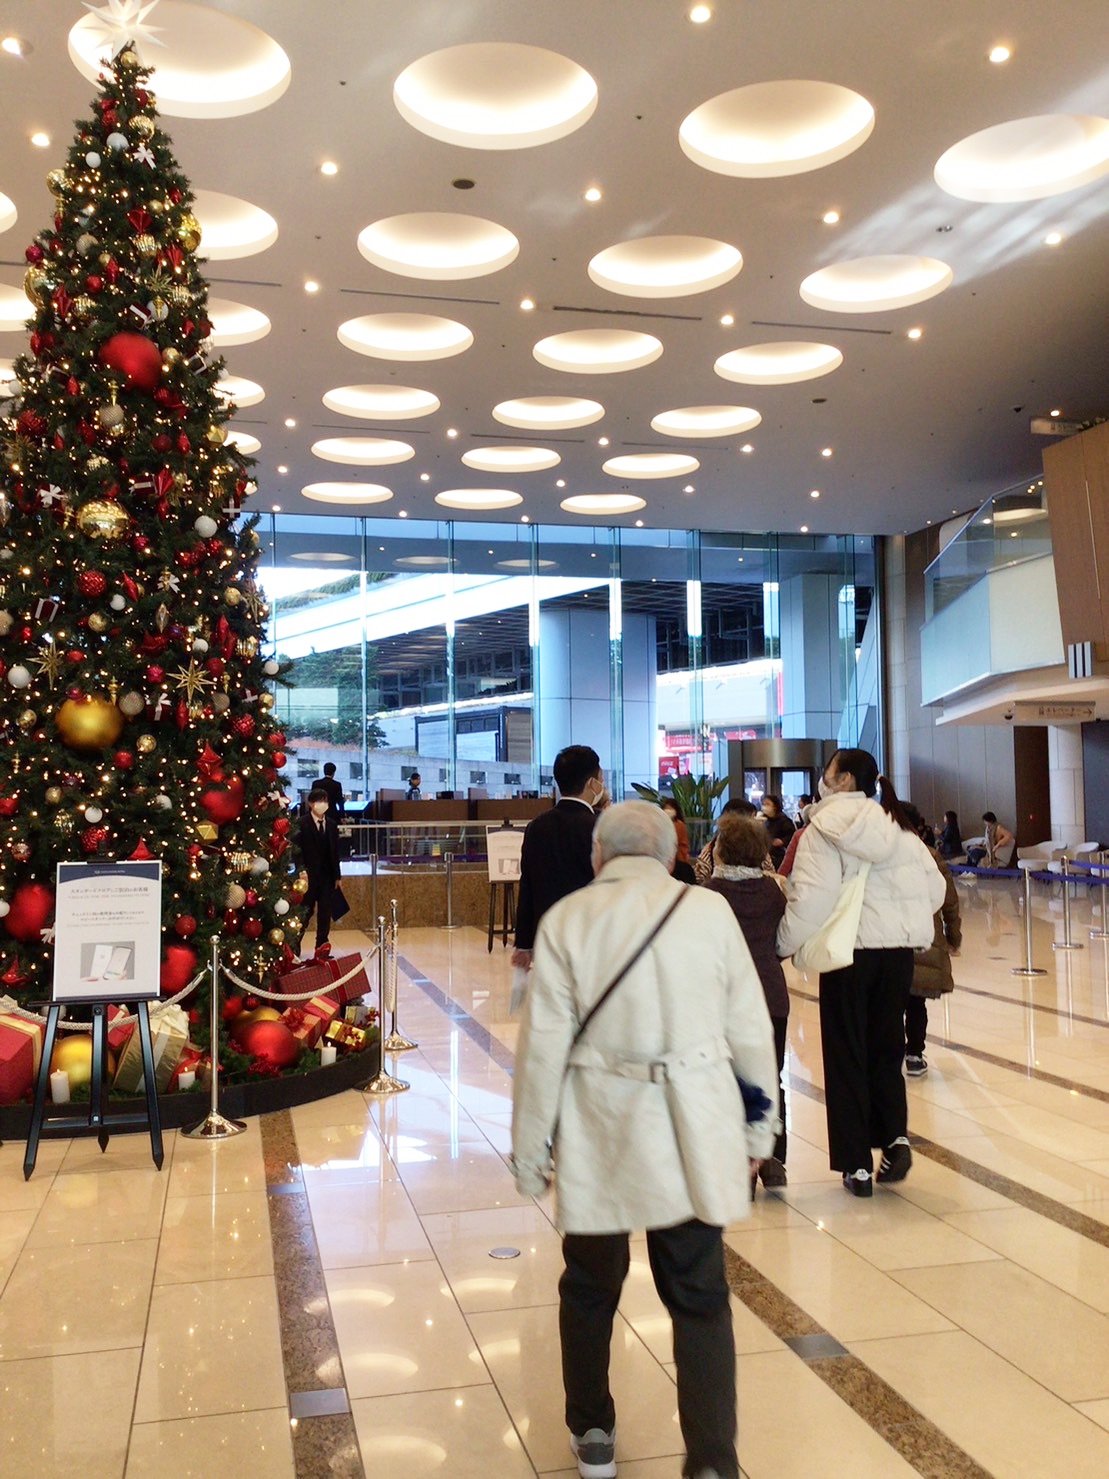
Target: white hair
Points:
x,y
635,829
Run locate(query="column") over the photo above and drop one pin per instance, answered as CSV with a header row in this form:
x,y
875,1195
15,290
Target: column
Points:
x,y
1066,779
813,681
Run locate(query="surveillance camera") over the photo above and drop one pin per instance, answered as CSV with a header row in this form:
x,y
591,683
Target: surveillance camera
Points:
x,y
1009,715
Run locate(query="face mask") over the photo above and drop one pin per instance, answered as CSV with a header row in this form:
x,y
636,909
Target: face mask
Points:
x,y
319,808
822,789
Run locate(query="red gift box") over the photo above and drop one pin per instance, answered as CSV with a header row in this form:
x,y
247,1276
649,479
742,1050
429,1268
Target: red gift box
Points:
x,y
321,976
118,1036
20,1055
306,1027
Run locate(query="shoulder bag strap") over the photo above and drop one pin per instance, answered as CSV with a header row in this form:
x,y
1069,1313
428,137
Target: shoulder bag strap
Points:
x,y
612,985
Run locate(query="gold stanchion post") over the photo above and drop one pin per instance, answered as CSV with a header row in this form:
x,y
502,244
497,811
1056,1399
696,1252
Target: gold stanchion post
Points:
x,y
395,1042
215,1126
383,1083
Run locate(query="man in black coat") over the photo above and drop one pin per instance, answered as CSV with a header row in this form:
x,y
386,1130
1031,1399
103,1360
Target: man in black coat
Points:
x,y
331,788
557,854
318,839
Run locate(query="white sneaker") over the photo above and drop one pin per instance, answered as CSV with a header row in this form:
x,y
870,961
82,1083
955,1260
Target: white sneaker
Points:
x,y
595,1452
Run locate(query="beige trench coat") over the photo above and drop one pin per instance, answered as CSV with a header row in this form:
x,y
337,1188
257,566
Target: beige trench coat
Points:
x,y
641,1147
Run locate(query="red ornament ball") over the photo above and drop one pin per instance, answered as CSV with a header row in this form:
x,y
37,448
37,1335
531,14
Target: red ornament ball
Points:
x,y
92,583
279,758
124,760
137,358
178,968
9,805
92,839
224,805
250,898
155,673
32,904
252,929
232,921
270,1042
281,826
243,726
232,1008
34,253
185,925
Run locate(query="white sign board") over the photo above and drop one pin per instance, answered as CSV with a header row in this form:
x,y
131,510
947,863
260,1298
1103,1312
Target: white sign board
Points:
x,y
108,931
503,847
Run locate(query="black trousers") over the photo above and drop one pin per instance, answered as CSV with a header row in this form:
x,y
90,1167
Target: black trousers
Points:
x,y
916,1025
687,1262
318,897
862,1030
781,1028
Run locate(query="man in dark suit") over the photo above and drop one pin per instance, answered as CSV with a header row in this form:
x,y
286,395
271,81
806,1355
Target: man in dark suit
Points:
x,y
333,790
557,854
319,854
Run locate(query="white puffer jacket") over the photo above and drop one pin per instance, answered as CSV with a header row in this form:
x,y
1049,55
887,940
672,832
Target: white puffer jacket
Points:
x,y
903,889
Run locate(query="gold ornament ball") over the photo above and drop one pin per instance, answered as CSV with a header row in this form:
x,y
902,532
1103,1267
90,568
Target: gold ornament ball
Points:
x,y
146,744
132,704
265,701
232,596
104,257
221,703
188,232
36,285
110,415
53,795
277,937
171,357
100,519
27,719
91,723
98,623
144,127
128,58
215,436
64,824
259,1014
145,244
82,308
56,181
86,243
74,1054
155,207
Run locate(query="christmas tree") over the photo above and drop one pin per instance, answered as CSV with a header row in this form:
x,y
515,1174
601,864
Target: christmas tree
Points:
x,y
134,708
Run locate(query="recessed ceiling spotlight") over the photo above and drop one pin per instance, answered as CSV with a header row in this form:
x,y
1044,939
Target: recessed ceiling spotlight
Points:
x,y
277,508
40,140
727,320
425,477
463,183
602,441
290,422
700,14
329,167
402,513
281,467
527,304
525,519
1053,238
804,528
560,482
14,46
815,493
639,523
830,218
999,54
452,432
689,488
747,447
913,333
1056,412
825,451
311,285
593,194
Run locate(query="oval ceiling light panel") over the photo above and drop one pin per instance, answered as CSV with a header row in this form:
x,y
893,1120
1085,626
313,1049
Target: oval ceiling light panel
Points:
x,y
603,503
347,493
243,392
206,64
244,442
495,95
706,421
1026,159
235,323
597,351
231,227
441,245
778,364
771,129
8,213
15,310
876,284
548,412
381,402
665,266
321,557
525,564
511,459
363,451
651,465
405,336
480,499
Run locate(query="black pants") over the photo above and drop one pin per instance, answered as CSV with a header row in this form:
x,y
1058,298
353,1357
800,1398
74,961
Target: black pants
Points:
x,y
916,1025
781,1027
318,897
687,1262
862,1029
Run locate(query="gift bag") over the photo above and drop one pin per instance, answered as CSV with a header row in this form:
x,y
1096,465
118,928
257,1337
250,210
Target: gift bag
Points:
x,y
339,906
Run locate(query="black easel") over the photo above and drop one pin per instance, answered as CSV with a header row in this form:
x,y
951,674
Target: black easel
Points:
x,y
99,1122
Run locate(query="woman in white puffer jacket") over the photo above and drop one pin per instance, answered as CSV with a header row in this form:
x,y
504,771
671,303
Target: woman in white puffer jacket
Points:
x,y
862,1007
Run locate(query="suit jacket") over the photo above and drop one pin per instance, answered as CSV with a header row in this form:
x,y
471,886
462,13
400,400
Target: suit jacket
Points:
x,y
319,851
556,860
334,791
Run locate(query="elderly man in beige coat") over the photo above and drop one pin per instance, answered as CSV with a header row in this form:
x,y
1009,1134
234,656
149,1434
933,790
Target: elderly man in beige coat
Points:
x,y
638,1108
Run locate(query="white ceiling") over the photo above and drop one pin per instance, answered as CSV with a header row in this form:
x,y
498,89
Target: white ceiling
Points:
x,y
918,429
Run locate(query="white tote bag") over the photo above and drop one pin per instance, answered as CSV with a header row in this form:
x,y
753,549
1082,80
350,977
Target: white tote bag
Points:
x,y
833,945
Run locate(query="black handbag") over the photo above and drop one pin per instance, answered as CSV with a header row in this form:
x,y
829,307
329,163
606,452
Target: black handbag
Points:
x,y
339,905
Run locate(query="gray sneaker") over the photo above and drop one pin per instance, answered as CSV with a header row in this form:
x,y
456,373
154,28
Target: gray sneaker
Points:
x,y
595,1452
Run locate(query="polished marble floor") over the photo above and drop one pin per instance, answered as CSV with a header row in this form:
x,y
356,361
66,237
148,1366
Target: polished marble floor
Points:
x,y
318,1296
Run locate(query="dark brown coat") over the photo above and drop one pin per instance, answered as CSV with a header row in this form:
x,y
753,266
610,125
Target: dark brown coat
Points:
x,y
932,967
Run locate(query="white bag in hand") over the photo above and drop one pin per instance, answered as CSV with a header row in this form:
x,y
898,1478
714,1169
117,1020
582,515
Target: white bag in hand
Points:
x,y
833,945
519,990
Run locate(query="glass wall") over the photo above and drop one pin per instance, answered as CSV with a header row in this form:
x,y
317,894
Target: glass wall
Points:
x,y
469,654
